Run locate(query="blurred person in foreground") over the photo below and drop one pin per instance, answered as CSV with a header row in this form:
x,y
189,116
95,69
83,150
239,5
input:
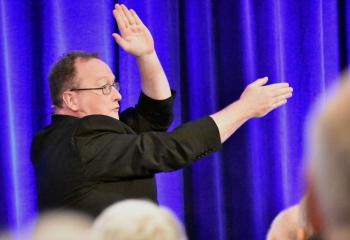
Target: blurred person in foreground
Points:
x,y
53,225
90,156
137,220
294,223
329,169
5,235
61,225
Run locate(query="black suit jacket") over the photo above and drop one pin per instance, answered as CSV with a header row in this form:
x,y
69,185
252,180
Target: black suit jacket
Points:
x,y
89,163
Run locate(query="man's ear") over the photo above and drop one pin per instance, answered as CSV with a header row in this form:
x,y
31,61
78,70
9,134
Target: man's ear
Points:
x,y
70,100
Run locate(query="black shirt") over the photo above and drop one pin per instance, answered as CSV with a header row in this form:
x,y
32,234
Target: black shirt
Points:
x,y
91,162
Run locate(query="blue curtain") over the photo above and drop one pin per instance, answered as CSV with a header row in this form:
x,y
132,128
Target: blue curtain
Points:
x,y
210,51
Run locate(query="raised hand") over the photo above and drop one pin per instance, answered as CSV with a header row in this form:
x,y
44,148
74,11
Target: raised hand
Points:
x,y
134,36
259,100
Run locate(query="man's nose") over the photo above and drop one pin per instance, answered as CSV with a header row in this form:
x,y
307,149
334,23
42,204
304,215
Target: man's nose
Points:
x,y
119,96
116,94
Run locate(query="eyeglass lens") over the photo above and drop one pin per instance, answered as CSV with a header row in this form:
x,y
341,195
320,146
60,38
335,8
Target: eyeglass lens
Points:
x,y
106,89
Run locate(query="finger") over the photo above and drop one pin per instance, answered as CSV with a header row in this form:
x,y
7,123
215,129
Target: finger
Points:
x,y
277,85
120,11
128,15
136,17
135,28
260,81
120,21
120,41
279,103
282,97
281,91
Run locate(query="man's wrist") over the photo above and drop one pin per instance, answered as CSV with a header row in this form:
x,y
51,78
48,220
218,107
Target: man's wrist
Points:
x,y
246,112
146,57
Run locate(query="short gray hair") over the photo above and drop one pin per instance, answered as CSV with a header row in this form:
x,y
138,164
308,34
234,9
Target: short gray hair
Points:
x,y
137,220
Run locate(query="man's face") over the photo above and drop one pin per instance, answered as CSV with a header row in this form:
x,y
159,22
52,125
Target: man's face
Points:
x,y
95,73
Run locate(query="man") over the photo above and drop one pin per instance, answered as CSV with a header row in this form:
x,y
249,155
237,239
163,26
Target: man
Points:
x,y
89,157
329,173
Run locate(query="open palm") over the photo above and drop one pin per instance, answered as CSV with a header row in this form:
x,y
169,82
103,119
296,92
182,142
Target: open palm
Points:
x,y
134,36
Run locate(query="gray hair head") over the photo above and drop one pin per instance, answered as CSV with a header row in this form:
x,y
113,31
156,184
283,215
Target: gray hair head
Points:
x,y
137,220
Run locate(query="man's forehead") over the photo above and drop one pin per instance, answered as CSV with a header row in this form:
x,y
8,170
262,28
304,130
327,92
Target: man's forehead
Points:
x,y
94,69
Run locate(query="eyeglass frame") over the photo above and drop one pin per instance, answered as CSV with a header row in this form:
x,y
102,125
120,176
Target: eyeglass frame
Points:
x,y
108,86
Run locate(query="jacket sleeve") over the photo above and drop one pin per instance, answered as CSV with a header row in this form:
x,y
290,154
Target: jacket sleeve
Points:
x,y
150,114
108,153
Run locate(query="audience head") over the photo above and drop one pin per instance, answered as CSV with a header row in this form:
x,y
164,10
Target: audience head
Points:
x,y
137,220
329,152
286,225
294,223
61,225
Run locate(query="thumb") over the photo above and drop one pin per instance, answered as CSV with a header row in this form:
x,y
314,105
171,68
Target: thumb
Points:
x,y
120,41
260,81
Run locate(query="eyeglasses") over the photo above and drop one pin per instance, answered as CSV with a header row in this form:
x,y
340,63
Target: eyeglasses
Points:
x,y
106,89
